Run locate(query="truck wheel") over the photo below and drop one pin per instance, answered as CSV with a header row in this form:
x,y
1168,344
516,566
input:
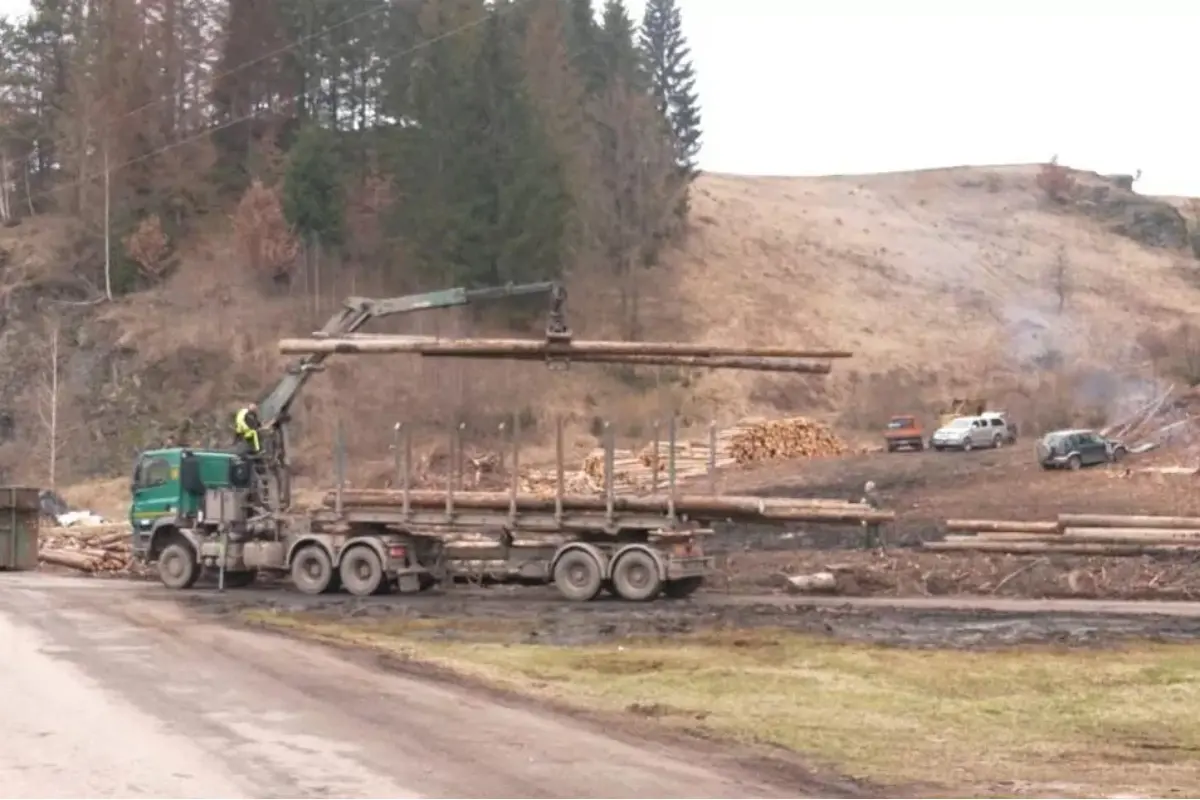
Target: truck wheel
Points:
x,y
312,571
968,446
577,576
997,441
361,571
635,576
684,587
1074,462
177,567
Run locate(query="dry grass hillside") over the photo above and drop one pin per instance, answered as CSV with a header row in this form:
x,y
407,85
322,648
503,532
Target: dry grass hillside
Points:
x,y
941,281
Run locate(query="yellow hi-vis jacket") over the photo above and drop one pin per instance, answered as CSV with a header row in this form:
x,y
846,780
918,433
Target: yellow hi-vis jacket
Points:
x,y
245,431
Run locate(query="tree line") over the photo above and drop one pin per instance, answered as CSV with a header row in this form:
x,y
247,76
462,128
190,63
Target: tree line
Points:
x,y
441,142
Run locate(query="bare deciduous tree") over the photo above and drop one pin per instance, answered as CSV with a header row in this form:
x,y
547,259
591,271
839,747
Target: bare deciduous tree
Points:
x,y
48,406
149,247
263,234
636,165
1060,278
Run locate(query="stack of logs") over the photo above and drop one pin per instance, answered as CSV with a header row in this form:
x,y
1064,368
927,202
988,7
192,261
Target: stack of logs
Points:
x,y
750,441
699,507
794,437
1075,534
101,549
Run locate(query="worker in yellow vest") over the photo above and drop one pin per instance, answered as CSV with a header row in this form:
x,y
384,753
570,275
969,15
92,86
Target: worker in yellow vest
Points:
x,y
245,425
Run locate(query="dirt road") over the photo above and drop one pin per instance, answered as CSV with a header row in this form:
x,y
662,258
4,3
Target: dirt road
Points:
x,y
106,693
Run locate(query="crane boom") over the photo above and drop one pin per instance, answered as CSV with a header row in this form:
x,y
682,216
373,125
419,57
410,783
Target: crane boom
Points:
x,y
358,311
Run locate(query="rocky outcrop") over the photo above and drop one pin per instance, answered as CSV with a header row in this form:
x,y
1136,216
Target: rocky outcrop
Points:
x,y
1147,220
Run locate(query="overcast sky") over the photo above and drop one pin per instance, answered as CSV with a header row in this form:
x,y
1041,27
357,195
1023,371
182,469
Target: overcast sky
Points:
x,y
789,90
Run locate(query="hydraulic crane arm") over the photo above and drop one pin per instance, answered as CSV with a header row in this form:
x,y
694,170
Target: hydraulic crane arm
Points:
x,y
358,311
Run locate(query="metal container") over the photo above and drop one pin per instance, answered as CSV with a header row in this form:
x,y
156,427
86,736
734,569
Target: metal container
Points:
x,y
20,516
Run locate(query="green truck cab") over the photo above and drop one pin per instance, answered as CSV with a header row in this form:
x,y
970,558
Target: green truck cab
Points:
x,y
168,487
194,511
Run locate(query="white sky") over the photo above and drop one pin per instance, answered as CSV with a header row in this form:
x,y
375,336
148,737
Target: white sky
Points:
x,y
789,90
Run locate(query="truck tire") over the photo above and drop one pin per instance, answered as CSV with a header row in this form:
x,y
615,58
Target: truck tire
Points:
x,y
177,565
361,571
312,571
1074,462
577,576
683,587
635,576
997,442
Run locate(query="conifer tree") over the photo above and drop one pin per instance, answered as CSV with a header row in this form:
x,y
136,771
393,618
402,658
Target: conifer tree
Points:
x,y
618,54
672,79
313,196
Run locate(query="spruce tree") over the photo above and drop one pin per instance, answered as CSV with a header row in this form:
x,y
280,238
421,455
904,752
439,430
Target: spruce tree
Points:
x,y
583,43
618,54
672,79
313,197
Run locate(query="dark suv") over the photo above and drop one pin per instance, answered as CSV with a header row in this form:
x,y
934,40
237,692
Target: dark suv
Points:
x,y
1072,449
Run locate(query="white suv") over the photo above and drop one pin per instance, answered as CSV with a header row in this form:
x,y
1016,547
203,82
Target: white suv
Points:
x,y
967,433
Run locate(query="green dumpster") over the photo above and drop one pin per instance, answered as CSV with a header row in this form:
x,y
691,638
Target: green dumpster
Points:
x,y
20,514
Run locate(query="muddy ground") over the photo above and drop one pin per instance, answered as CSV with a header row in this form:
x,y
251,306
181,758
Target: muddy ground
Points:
x,y
927,488
538,616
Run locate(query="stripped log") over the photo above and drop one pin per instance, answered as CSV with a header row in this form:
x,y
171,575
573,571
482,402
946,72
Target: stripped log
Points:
x,y
750,363
69,558
1127,521
1158,534
507,348
715,506
997,525
1000,536
1064,548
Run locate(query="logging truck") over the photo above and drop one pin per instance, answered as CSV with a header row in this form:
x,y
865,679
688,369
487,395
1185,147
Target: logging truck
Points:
x,y
229,513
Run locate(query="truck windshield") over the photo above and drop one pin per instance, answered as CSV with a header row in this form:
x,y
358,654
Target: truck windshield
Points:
x,y
960,423
903,422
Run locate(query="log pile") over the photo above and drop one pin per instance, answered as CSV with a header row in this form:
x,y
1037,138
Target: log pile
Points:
x,y
750,441
794,437
708,507
103,549
1075,534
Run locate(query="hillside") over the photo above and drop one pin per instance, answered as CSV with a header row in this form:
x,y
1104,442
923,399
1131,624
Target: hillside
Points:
x,y
941,281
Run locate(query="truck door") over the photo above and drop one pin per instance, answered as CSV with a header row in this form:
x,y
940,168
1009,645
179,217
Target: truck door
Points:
x,y
155,492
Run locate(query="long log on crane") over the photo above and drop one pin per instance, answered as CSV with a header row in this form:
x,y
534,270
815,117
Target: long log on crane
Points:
x,y
724,507
749,363
536,348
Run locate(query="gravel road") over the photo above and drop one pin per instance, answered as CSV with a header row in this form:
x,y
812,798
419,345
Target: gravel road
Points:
x,y
106,693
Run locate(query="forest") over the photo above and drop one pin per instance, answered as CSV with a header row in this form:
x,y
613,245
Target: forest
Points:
x,y
424,142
